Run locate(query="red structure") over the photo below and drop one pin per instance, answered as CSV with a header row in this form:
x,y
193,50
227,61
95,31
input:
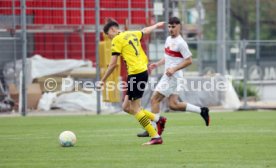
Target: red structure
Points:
x,y
56,13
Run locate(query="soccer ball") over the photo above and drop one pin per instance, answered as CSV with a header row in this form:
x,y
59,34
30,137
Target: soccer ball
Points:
x,y
67,138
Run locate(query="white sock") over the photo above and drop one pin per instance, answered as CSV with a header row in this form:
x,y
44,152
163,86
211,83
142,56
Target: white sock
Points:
x,y
193,108
157,136
153,123
156,118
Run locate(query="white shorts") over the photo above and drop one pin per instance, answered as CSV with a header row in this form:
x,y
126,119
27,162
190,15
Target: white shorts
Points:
x,y
170,85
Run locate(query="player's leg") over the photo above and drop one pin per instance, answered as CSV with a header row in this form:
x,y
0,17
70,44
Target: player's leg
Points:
x,y
162,90
157,121
138,112
126,104
156,99
136,86
175,104
155,108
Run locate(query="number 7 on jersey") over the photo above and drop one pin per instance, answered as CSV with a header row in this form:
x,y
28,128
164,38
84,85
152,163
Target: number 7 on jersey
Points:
x,y
133,45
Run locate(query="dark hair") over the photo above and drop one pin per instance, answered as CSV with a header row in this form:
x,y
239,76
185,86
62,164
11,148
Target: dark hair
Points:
x,y
174,20
109,25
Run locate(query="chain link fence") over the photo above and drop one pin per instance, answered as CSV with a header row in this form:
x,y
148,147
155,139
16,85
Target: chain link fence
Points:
x,y
66,29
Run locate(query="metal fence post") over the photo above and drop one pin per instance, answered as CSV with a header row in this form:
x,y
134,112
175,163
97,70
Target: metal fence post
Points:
x,y
245,73
129,12
97,6
167,8
65,34
258,31
24,59
199,36
14,35
221,33
82,34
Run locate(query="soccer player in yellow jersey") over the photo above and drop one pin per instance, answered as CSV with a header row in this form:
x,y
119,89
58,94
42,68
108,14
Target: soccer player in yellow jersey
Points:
x,y
127,44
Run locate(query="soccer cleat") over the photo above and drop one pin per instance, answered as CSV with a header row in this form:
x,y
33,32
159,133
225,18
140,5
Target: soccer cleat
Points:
x,y
154,141
161,125
205,115
143,134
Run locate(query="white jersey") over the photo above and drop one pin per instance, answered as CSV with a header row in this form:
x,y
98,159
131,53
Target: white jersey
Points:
x,y
176,50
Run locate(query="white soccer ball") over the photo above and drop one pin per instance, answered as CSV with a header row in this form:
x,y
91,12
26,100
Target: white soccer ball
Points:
x,y
67,138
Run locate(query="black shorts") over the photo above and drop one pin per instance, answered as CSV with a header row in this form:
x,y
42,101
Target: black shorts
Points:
x,y
136,85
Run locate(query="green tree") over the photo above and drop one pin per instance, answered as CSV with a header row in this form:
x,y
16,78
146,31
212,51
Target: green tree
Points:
x,y
243,15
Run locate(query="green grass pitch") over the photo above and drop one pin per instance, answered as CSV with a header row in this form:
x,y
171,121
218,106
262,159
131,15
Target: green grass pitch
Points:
x,y
234,140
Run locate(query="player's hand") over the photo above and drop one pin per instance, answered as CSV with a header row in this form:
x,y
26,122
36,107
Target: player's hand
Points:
x,y
170,71
160,24
152,66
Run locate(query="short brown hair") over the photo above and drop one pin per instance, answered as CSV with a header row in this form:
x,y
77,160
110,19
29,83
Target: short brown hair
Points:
x,y
174,20
109,25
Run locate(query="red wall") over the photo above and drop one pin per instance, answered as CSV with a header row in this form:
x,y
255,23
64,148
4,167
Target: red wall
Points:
x,y
51,45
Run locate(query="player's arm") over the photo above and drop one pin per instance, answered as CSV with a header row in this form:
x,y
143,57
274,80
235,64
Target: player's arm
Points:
x,y
187,55
157,64
170,71
112,65
184,64
148,30
160,62
116,48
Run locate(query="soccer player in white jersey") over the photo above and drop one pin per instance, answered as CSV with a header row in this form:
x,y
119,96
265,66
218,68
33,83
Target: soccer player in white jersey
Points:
x,y
177,56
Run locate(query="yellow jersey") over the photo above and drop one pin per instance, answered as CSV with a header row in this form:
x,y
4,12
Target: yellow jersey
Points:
x,y
128,45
